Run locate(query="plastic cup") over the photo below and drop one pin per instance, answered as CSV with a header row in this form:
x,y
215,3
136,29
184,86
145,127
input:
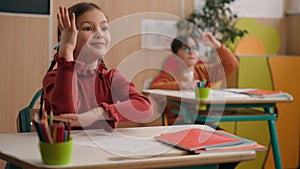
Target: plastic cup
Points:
x,y
201,93
57,153
204,93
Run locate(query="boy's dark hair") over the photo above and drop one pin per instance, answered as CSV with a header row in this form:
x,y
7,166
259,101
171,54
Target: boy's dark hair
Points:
x,y
181,41
78,10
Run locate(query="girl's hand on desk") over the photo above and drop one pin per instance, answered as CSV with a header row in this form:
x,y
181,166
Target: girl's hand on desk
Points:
x,y
187,85
84,119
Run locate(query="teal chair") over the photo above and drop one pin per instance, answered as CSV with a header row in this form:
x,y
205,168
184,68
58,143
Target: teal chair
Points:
x,y
24,121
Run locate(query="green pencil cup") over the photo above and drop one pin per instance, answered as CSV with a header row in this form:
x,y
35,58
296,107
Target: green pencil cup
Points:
x,y
204,92
57,153
201,93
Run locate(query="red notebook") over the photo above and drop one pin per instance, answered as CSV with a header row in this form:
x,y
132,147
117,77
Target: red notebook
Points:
x,y
246,144
196,139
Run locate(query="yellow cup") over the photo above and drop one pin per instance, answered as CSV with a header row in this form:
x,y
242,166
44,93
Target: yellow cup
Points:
x,y
201,93
57,153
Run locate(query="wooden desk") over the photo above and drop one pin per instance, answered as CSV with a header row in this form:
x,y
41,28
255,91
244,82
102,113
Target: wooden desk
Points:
x,y
22,149
221,99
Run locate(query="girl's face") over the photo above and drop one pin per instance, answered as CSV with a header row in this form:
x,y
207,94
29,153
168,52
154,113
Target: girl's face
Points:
x,y
188,53
94,38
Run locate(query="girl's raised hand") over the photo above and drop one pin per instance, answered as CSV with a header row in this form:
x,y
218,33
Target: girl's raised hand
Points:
x,y
208,39
69,33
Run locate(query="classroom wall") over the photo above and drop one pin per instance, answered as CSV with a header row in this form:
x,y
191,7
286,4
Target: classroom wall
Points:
x,y
24,48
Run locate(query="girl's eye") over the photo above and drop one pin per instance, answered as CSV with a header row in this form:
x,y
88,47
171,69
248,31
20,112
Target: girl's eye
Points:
x,y
187,49
89,28
105,28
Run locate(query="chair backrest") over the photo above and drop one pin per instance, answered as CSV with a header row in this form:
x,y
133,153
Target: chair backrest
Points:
x,y
254,72
25,116
285,72
24,121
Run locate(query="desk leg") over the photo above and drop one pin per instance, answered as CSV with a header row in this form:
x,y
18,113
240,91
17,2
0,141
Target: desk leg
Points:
x,y
274,141
186,113
275,144
163,119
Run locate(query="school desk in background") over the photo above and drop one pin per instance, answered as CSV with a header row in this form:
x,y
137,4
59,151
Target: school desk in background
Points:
x,y
218,100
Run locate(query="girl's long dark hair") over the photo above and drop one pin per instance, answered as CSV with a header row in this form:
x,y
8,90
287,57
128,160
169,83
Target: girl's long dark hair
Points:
x,y
53,63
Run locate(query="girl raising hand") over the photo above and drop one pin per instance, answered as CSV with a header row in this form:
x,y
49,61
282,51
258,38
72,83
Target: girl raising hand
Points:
x,y
81,90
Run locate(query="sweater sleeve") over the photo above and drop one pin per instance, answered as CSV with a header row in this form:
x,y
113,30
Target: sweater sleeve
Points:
x,y
128,103
165,82
219,71
229,61
59,91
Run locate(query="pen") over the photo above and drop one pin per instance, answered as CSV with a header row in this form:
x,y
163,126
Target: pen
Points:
x,y
39,129
46,131
54,133
69,130
198,84
46,116
204,83
209,85
51,119
60,132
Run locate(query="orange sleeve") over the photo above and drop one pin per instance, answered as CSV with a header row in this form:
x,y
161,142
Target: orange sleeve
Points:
x,y
229,61
165,82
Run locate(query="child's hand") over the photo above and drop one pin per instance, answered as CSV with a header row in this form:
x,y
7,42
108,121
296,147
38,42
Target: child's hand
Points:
x,y
69,33
84,119
187,85
208,39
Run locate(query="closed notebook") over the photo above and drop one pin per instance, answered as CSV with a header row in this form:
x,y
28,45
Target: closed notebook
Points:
x,y
195,139
267,93
256,147
260,92
246,144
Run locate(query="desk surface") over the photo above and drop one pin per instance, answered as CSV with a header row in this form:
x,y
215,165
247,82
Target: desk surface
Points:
x,y
22,149
215,97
